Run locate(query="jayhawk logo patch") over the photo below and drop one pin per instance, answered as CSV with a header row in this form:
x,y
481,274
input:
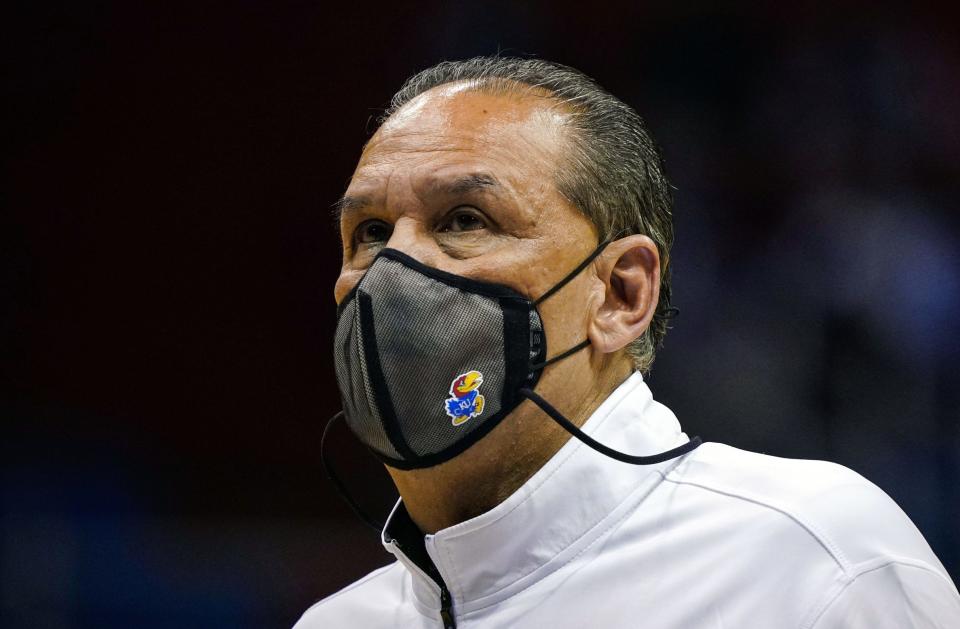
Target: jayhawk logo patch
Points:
x,y
465,400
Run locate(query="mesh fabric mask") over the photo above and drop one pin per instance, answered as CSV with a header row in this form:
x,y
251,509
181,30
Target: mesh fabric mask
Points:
x,y
429,362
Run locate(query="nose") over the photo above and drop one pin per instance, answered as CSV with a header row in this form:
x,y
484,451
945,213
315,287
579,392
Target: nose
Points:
x,y
412,237
409,236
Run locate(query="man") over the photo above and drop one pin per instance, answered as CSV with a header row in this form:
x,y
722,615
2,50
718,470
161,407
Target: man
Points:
x,y
505,284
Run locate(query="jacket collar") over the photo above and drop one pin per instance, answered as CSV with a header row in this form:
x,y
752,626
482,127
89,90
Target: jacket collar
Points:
x,y
557,513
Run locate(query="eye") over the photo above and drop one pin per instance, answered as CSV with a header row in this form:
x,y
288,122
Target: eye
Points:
x,y
463,219
373,231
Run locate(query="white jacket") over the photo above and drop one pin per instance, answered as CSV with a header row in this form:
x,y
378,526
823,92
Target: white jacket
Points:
x,y
718,539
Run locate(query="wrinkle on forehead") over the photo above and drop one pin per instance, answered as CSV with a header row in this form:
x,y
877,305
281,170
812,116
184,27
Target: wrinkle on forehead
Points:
x,y
453,132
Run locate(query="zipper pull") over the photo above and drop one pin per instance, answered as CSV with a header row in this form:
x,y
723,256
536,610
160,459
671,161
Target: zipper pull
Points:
x,y
446,613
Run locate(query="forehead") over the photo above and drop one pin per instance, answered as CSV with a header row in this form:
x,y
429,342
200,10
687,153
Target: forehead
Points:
x,y
514,134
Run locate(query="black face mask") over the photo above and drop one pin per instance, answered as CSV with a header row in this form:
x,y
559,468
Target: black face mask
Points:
x,y
429,362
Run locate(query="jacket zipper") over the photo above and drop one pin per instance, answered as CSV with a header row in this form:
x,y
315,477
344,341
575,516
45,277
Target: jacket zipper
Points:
x,y
446,604
430,571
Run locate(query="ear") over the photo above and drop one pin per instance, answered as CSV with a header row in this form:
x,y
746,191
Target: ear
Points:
x,y
630,271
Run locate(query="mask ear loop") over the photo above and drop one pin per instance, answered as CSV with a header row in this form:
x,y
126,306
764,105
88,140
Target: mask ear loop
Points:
x,y
569,426
565,423
580,267
573,350
338,484
569,276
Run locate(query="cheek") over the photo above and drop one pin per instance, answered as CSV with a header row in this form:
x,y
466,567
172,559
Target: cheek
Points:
x,y
566,315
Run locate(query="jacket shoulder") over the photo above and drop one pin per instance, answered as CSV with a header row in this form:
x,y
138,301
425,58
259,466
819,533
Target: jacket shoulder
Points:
x,y
366,602
853,520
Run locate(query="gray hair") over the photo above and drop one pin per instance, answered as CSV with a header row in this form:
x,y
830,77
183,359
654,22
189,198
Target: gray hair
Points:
x,y
613,171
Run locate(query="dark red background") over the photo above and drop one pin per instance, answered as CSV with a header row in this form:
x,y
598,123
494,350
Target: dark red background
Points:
x,y
168,269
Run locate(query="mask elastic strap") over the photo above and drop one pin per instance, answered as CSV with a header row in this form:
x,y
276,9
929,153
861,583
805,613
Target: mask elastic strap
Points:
x,y
567,425
573,350
572,274
338,484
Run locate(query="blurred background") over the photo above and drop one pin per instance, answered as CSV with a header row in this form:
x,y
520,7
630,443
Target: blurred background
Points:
x,y
168,264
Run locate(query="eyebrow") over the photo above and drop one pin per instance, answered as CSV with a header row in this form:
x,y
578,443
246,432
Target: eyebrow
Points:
x,y
467,183
456,186
349,204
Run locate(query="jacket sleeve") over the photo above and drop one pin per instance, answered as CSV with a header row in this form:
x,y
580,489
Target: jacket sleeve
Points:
x,y
893,595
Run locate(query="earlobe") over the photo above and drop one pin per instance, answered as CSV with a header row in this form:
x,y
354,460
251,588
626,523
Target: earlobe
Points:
x,y
630,273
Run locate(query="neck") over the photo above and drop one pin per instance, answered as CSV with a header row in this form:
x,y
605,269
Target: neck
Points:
x,y
487,473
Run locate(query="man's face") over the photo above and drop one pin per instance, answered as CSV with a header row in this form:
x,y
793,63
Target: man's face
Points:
x,y
463,181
